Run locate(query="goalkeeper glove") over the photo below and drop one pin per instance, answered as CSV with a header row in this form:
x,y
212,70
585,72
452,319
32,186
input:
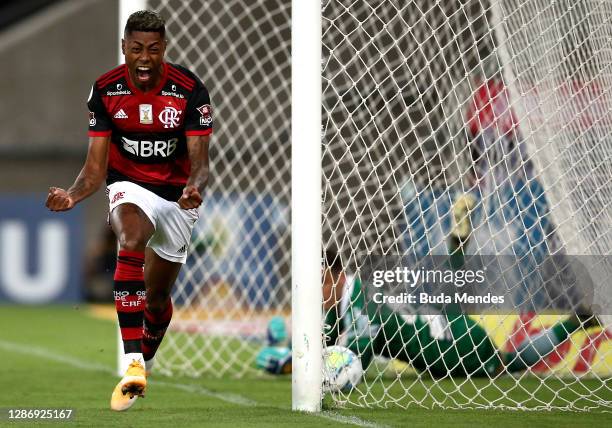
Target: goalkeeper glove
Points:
x,y
274,359
276,332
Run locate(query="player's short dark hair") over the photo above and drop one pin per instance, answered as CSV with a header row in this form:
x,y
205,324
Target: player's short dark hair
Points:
x,y
332,261
145,20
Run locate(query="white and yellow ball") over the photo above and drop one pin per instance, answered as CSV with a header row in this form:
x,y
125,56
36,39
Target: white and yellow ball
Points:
x,y
342,369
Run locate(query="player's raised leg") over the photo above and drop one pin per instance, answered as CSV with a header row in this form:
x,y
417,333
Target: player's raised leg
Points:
x,y
534,348
160,275
133,230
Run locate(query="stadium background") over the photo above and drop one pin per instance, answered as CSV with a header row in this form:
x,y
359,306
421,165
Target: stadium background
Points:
x,y
54,58
52,51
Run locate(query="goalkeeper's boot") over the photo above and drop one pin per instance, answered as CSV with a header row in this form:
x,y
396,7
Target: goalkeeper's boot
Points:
x,y
462,224
130,387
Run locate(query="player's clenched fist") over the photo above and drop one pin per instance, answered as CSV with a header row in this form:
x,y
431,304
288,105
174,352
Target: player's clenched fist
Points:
x,y
190,198
59,200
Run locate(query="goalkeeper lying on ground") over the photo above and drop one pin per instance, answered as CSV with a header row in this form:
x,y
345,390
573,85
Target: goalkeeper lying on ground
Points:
x,y
445,344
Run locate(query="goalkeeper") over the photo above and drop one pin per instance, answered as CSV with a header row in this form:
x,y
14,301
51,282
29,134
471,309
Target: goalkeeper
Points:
x,y
442,345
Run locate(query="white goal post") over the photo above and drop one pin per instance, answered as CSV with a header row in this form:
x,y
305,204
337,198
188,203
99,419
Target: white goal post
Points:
x,y
306,203
373,128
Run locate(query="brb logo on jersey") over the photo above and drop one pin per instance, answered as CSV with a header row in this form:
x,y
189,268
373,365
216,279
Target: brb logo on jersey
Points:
x,y
147,149
170,117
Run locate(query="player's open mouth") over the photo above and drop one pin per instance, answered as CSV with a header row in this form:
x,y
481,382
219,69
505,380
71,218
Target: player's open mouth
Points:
x,y
143,74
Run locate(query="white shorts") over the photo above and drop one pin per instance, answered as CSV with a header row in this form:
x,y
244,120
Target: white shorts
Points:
x,y
173,225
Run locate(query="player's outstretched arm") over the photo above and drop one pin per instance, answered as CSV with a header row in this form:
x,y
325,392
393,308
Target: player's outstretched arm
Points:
x,y
197,147
88,181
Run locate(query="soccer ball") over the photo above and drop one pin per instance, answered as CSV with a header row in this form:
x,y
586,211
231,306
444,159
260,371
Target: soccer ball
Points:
x,y
342,370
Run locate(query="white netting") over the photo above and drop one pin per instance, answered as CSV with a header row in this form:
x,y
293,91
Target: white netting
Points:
x,y
237,275
424,102
499,108
558,59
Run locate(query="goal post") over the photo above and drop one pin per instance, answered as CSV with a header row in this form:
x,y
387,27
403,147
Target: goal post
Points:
x,y
306,200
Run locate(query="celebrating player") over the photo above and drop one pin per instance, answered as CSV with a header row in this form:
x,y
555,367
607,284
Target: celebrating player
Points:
x,y
150,123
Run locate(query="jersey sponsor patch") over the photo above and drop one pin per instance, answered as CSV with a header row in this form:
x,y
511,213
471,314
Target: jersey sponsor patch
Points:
x,y
205,114
120,115
172,93
146,114
149,149
118,93
120,90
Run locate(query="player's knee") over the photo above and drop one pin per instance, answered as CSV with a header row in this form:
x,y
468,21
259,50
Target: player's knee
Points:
x,y
131,243
158,301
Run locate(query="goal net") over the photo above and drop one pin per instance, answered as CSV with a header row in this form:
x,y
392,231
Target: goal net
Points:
x,y
461,135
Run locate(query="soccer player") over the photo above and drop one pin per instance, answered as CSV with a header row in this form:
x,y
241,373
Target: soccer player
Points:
x,y
442,345
150,123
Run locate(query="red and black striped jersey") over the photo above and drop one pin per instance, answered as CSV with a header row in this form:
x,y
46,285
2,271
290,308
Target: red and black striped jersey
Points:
x,y
148,130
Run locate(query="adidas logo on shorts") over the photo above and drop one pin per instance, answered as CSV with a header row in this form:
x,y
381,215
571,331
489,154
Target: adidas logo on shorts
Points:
x,y
120,115
183,249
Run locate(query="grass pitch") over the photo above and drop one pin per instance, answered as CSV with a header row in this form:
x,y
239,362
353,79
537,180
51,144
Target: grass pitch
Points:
x,y
62,357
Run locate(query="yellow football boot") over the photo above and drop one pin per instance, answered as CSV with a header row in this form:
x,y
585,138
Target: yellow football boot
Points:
x,y
129,388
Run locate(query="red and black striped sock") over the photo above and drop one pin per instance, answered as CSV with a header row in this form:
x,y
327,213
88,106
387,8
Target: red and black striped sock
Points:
x,y
155,325
130,296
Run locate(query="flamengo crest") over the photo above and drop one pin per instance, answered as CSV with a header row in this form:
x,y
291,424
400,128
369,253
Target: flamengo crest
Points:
x,y
170,117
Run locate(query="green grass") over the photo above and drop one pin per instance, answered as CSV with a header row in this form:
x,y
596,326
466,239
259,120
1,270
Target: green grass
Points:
x,y
61,357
